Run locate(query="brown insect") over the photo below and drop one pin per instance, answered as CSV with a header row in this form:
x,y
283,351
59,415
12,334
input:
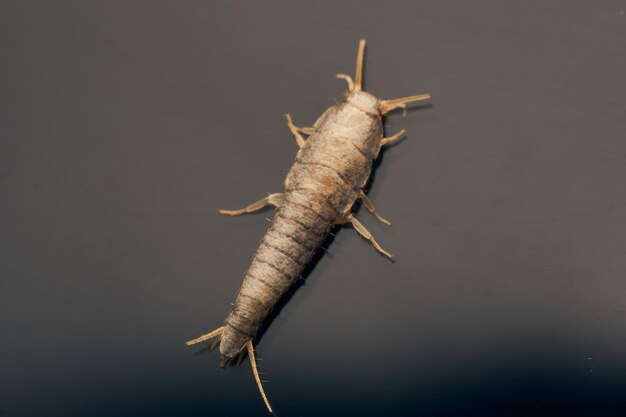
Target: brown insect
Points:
x,y
328,176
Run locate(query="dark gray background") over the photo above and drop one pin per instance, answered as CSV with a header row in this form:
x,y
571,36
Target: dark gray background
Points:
x,y
126,125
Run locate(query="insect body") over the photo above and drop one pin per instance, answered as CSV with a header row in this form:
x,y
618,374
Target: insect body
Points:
x,y
328,176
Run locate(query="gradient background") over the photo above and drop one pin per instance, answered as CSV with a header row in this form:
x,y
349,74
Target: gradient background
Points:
x,y
126,125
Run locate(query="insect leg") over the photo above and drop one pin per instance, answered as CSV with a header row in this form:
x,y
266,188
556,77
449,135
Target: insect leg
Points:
x,y
368,205
275,200
392,138
256,374
349,218
297,130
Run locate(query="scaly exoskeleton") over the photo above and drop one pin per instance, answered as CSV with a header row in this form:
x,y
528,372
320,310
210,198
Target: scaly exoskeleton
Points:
x,y
328,176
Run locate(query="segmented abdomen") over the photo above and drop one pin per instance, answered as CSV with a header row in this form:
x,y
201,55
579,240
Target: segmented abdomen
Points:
x,y
322,185
297,230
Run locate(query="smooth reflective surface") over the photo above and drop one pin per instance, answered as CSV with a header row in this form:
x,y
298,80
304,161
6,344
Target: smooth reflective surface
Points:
x,y
126,127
